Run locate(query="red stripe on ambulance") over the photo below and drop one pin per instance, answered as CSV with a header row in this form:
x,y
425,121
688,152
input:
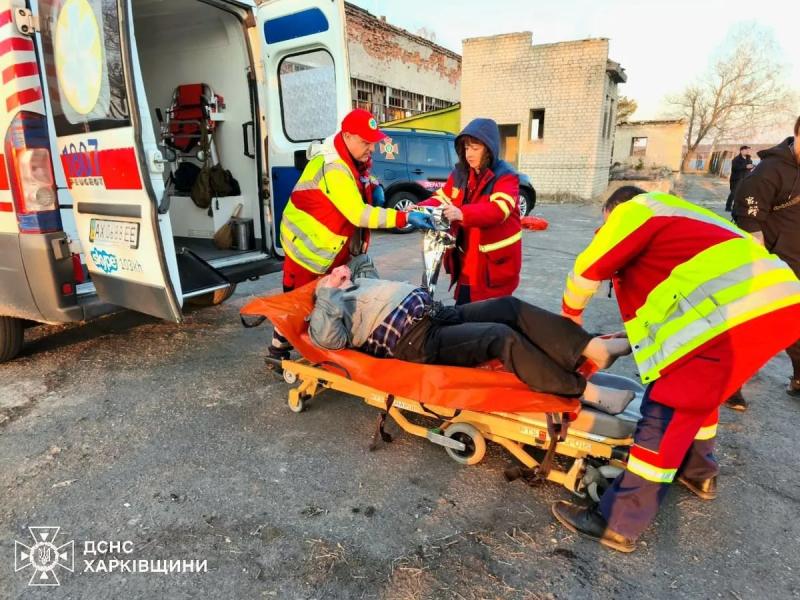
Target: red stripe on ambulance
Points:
x,y
25,69
118,168
15,43
23,97
3,175
6,207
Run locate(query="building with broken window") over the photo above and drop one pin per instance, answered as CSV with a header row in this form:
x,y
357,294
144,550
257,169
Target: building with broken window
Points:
x,y
555,105
395,73
650,144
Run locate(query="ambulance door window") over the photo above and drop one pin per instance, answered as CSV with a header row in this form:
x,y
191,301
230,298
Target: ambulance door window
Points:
x,y
308,96
87,90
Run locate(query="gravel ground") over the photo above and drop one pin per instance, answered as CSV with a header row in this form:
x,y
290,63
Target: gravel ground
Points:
x,y
176,438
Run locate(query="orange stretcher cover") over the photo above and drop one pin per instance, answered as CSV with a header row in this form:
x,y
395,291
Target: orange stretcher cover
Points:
x,y
478,389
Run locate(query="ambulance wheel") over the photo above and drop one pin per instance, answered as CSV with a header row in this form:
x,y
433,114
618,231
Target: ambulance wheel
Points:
x,y
11,335
289,377
471,438
297,401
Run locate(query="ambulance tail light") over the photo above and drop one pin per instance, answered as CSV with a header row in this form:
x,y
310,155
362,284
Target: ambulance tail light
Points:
x,y
30,168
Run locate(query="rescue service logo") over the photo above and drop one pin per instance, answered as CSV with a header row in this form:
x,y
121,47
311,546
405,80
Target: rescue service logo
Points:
x,y
389,149
373,124
44,556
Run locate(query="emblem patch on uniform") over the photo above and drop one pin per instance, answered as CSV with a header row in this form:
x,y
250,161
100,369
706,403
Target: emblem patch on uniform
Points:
x,y
752,207
373,124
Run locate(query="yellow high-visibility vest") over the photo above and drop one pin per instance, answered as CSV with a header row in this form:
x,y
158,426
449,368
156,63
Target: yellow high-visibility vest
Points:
x,y
310,234
723,286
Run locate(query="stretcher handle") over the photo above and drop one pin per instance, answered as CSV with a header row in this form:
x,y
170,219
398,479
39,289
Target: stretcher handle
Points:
x,y
250,321
336,366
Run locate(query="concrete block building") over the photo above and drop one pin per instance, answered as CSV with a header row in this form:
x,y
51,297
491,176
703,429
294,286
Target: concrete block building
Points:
x,y
555,105
650,144
395,73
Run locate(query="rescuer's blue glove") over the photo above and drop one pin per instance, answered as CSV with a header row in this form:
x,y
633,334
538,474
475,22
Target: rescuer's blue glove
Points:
x,y
378,196
420,220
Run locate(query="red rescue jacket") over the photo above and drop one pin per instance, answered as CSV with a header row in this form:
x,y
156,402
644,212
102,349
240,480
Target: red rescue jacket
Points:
x,y
488,253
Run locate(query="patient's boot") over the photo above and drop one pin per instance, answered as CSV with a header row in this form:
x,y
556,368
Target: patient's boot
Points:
x,y
606,399
604,351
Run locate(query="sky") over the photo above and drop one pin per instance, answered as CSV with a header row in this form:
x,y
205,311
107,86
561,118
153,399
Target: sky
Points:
x,y
662,45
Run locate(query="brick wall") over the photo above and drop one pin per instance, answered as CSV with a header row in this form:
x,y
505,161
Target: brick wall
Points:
x,y
388,55
504,77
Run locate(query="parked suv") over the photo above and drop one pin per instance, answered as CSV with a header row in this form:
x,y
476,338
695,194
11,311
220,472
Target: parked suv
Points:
x,y
412,164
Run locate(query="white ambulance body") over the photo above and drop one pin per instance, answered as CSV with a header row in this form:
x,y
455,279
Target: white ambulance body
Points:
x,y
89,221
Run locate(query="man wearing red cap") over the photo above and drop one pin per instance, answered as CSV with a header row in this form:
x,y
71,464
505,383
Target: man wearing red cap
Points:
x,y
331,205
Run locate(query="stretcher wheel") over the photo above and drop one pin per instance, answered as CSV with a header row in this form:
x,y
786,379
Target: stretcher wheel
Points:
x,y
473,440
598,480
290,377
296,401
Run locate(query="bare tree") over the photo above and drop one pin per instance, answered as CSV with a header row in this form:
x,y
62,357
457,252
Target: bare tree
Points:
x,y
428,34
625,108
743,90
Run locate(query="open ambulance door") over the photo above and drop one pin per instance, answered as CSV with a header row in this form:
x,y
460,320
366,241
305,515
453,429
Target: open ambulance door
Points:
x,y
100,111
304,51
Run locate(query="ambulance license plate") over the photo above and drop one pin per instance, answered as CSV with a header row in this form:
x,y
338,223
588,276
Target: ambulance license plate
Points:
x,y
120,233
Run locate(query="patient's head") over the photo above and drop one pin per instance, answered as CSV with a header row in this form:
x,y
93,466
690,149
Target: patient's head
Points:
x,y
338,278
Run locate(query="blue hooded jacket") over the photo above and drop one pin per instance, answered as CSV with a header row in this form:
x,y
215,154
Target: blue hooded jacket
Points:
x,y
486,131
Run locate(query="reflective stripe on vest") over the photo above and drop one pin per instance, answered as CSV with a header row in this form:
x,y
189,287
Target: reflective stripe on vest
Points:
x,y
504,201
579,290
302,248
701,330
676,319
723,286
650,472
706,433
442,197
501,244
304,237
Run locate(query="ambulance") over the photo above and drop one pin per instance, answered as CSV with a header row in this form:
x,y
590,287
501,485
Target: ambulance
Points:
x,y
107,105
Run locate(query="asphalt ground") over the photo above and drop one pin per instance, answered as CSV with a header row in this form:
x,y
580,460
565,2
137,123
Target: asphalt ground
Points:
x,y
176,438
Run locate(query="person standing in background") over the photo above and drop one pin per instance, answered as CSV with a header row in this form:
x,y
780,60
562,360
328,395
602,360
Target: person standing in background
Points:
x,y
741,165
766,204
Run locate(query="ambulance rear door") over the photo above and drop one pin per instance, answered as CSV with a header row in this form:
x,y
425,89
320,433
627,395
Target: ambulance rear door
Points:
x,y
304,54
94,88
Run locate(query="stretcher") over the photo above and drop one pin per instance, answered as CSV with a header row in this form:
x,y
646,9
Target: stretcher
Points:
x,y
460,409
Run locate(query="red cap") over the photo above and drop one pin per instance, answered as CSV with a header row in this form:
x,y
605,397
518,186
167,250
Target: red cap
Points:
x,y
363,124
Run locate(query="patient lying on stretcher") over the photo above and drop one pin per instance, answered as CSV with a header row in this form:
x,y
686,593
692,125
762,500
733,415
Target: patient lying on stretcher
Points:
x,y
391,319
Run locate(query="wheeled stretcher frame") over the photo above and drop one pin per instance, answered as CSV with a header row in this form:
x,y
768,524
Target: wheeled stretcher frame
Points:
x,y
595,460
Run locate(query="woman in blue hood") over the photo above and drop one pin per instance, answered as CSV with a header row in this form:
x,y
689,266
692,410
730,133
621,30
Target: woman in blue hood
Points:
x,y
481,199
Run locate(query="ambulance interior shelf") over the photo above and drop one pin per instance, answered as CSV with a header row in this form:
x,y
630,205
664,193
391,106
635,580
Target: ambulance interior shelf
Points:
x,y
187,136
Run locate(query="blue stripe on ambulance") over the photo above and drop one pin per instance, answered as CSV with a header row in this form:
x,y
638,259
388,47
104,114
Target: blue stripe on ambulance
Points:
x,y
297,25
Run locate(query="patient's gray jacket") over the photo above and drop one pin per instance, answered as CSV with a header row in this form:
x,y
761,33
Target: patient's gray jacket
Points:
x,y
345,318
